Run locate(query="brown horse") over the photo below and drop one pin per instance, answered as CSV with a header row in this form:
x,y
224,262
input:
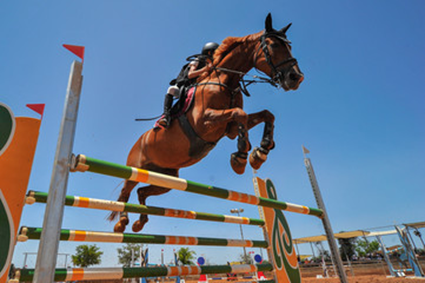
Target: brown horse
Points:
x,y
216,112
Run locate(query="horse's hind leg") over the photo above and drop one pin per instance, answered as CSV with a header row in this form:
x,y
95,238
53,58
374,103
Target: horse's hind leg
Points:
x,y
144,193
124,196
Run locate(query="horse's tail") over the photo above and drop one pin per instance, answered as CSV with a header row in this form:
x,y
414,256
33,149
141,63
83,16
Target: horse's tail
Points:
x,y
112,216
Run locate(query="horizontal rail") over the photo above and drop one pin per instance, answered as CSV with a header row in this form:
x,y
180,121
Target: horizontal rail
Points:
x,y
92,203
31,233
82,274
83,163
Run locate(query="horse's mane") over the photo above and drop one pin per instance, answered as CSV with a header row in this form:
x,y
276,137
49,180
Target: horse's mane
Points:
x,y
231,43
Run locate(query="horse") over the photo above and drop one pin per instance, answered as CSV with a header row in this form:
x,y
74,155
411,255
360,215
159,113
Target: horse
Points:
x,y
217,112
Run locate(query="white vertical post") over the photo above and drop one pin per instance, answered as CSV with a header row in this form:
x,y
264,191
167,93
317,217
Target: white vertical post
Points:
x,y
336,258
162,263
66,260
25,260
49,240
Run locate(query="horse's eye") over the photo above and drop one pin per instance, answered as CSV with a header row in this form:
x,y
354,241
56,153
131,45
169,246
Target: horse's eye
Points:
x,y
274,45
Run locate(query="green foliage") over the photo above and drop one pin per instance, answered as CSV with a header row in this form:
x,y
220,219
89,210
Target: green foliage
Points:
x,y
87,255
125,253
245,259
347,248
324,254
420,252
186,256
364,247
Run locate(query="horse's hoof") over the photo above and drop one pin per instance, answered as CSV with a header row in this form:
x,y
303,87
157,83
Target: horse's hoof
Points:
x,y
257,158
138,225
238,163
124,220
119,227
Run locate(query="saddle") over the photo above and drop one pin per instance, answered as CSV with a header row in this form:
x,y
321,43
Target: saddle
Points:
x,y
181,106
198,147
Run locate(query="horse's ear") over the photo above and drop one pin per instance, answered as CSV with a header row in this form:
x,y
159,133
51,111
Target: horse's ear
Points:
x,y
269,23
285,29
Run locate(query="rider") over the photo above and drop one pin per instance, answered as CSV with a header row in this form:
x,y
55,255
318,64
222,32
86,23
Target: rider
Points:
x,y
200,64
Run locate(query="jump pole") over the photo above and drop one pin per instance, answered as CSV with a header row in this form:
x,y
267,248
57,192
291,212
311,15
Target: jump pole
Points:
x,y
77,274
83,163
277,232
109,205
31,233
336,258
53,216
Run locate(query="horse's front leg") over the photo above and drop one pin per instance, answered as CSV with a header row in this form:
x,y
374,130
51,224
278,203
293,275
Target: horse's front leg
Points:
x,y
259,155
215,118
124,196
143,193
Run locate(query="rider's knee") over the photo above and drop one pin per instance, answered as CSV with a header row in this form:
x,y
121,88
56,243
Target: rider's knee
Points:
x,y
174,91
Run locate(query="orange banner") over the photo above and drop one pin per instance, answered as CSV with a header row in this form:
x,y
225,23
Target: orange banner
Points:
x,y
16,160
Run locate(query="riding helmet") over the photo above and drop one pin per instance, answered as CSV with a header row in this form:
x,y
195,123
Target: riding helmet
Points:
x,y
209,48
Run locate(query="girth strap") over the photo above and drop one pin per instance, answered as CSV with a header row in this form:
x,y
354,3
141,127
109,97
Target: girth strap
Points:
x,y
198,147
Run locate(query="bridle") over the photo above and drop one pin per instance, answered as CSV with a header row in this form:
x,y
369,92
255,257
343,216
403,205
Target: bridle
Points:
x,y
277,75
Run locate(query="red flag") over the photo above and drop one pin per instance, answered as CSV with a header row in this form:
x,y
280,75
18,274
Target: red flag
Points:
x,y
77,50
39,108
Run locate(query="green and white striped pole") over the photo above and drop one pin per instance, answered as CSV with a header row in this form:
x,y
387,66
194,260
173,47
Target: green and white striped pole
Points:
x,y
83,163
80,274
31,233
93,203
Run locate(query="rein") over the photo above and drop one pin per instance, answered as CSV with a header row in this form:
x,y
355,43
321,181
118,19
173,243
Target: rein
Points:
x,y
244,83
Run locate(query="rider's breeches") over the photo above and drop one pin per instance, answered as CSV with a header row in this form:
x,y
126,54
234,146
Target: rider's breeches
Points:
x,y
174,91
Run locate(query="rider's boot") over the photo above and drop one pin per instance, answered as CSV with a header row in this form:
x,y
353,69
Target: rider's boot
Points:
x,y
166,119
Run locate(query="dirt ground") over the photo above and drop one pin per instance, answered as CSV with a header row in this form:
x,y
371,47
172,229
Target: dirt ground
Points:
x,y
372,272
364,279
356,279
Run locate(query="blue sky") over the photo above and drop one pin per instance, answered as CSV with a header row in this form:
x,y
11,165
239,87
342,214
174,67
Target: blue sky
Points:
x,y
359,110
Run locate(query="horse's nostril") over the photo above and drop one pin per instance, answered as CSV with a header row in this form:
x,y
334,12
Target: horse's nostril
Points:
x,y
294,76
